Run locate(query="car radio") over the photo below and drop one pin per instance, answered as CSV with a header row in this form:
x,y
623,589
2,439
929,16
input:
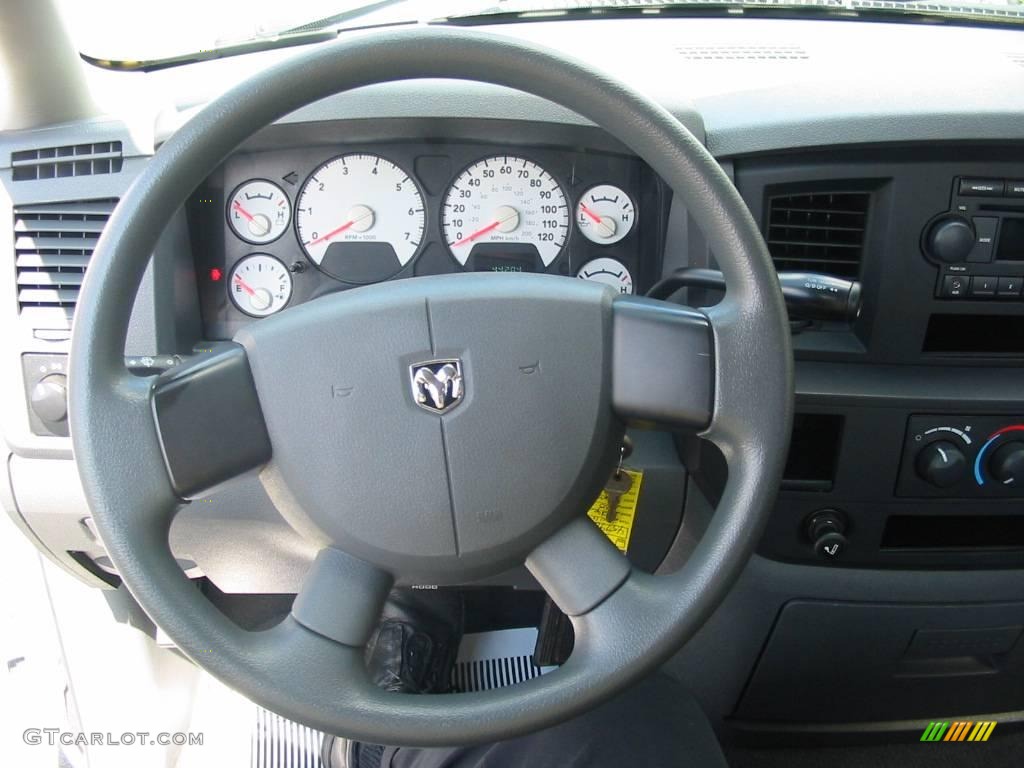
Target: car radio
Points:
x,y
979,243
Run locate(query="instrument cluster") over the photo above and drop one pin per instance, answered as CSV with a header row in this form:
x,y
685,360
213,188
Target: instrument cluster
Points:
x,y
274,228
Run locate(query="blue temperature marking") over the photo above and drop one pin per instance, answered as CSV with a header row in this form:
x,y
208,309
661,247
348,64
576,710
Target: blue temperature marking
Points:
x,y
977,461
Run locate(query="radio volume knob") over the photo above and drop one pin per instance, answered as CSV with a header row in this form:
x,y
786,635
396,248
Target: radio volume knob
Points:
x,y
949,239
941,463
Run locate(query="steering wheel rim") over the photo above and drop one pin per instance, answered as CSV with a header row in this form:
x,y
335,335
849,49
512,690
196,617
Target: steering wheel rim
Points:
x,y
626,622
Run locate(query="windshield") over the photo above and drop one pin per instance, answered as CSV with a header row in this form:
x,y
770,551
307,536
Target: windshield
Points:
x,y
139,30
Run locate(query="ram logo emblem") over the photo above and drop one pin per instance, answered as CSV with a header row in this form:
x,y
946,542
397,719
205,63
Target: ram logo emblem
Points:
x,y
437,385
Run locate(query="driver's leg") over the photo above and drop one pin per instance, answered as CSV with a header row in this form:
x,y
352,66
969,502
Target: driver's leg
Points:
x,y
655,723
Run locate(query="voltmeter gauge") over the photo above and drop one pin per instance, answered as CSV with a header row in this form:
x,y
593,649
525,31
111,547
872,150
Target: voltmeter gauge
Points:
x,y
259,211
605,214
608,271
260,285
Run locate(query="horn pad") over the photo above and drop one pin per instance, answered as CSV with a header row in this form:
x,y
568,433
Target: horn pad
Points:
x,y
441,427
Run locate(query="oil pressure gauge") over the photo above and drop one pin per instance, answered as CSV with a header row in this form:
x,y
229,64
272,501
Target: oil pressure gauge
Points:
x,y
260,285
259,211
605,214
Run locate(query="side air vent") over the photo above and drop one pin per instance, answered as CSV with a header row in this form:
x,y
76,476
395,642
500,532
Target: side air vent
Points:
x,y
72,160
52,246
742,52
819,232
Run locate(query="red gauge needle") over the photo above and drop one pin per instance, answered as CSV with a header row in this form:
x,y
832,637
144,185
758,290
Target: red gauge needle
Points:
x,y
333,232
238,207
244,286
590,213
478,233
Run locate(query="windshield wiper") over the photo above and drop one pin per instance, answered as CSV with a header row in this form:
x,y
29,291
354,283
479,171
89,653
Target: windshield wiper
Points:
x,y
510,11
318,31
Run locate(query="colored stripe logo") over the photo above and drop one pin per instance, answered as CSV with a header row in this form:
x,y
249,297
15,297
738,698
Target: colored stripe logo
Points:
x,y
959,730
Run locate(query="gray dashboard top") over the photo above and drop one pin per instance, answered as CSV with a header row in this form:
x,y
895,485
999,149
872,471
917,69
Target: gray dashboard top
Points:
x,y
758,85
749,85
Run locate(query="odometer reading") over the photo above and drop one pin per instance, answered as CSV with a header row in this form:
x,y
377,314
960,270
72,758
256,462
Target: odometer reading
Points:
x,y
508,200
359,209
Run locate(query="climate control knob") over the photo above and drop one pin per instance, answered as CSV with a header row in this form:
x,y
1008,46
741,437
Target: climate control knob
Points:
x,y
949,239
941,463
1007,464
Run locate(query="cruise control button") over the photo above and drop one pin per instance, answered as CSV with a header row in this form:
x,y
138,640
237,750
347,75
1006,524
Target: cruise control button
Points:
x,y
955,286
1008,287
981,187
982,285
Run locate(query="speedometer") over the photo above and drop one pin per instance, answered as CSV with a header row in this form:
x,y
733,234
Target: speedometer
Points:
x,y
360,218
505,203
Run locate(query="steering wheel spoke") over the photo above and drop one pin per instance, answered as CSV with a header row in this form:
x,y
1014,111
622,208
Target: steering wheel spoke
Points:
x,y
663,364
209,421
341,597
578,567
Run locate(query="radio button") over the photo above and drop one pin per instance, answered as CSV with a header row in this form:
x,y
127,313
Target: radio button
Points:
x,y
1009,287
982,285
981,187
985,237
955,286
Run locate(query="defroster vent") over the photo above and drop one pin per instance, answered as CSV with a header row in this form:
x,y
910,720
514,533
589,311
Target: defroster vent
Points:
x,y
71,160
818,232
53,243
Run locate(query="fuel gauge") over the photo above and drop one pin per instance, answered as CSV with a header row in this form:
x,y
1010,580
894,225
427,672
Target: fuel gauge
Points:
x,y
260,285
259,211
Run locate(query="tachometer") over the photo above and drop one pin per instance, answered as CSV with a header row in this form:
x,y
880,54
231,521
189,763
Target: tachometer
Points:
x,y
360,218
505,201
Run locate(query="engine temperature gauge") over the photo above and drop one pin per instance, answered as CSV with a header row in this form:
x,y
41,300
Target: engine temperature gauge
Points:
x,y
260,285
259,211
605,214
608,271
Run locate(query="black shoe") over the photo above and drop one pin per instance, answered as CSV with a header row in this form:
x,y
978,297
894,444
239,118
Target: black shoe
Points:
x,y
413,648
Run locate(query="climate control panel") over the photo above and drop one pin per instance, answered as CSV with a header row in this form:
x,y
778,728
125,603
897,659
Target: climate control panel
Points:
x,y
963,457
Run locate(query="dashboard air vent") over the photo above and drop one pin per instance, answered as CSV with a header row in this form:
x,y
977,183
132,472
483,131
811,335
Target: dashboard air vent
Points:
x,y
818,232
52,246
72,160
742,52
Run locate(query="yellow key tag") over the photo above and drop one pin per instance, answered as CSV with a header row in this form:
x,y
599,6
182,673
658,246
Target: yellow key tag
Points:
x,y
619,529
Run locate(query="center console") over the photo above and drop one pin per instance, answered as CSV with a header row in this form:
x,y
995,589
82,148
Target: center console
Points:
x,y
908,441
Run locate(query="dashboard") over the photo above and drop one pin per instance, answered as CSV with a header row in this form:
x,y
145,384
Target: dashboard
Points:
x,y
896,536
273,228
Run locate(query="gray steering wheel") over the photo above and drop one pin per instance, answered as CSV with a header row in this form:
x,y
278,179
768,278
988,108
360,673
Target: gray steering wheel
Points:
x,y
397,493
